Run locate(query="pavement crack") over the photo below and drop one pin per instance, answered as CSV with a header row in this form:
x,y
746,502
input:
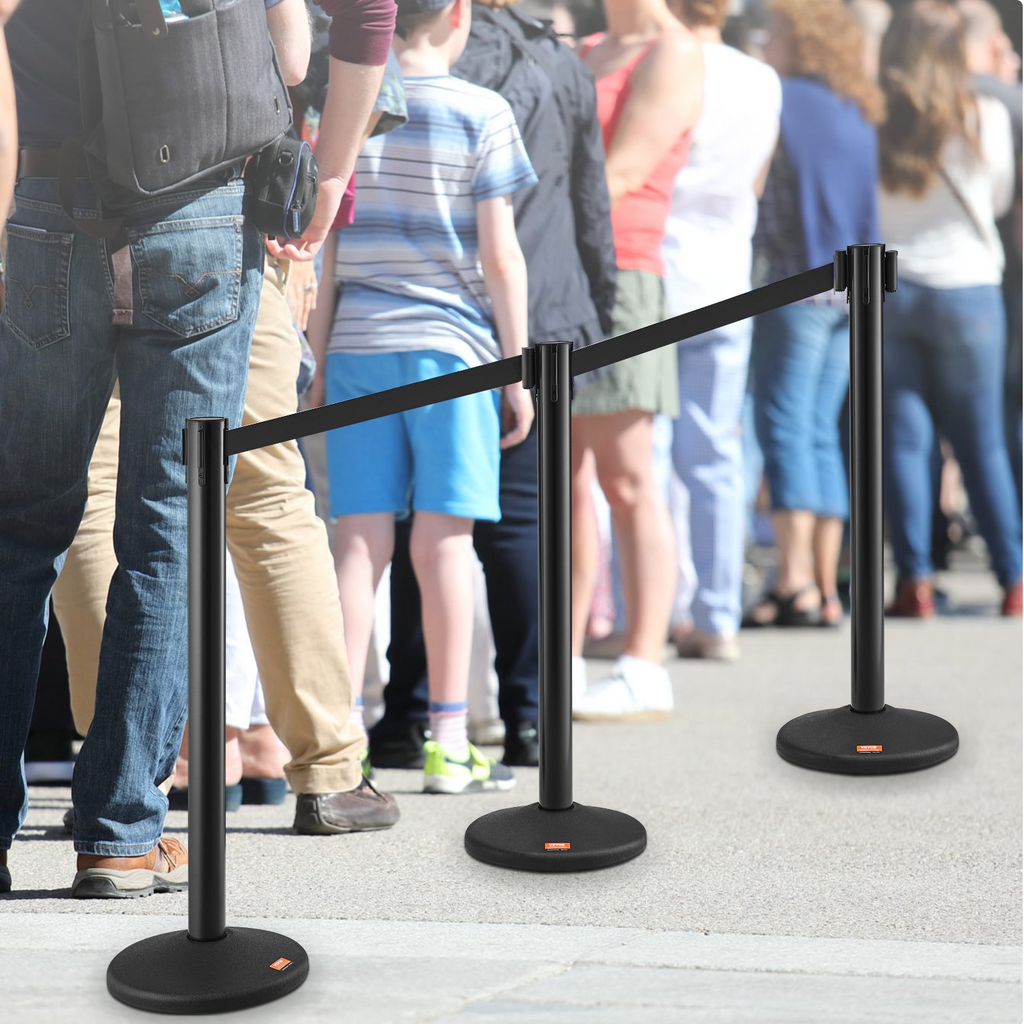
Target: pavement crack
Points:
x,y
542,973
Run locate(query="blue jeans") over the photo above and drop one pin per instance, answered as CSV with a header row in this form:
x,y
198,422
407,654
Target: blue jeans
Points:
x,y
707,451
801,367
944,367
197,274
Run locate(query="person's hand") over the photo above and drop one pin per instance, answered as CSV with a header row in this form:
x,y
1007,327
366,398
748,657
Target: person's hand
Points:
x,y
328,199
315,395
302,293
516,414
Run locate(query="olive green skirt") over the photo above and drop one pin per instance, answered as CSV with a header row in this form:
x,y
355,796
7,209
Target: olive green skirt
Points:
x,y
647,383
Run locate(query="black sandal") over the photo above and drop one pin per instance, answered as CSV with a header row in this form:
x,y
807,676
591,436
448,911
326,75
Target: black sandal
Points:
x,y
787,615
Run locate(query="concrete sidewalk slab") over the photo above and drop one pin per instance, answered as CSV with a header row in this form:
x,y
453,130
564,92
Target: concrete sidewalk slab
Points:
x,y
506,974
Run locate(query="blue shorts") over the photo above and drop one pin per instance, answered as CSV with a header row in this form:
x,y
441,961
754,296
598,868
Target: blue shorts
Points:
x,y
442,458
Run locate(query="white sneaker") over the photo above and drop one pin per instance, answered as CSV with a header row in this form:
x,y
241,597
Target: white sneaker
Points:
x,y
579,680
636,690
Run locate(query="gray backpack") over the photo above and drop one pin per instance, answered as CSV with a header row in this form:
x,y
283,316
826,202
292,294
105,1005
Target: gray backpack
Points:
x,y
168,102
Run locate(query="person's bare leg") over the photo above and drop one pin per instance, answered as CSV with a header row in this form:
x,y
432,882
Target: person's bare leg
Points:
x,y
232,760
263,754
363,545
623,446
441,551
794,536
827,545
586,547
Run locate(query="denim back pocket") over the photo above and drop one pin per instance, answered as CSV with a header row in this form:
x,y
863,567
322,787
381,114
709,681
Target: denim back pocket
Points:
x,y
38,268
190,272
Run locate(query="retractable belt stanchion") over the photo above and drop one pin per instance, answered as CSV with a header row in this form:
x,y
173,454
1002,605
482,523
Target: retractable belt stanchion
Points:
x,y
209,968
866,736
212,968
554,834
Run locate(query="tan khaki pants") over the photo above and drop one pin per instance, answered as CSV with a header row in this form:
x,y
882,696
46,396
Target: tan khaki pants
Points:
x,y
282,560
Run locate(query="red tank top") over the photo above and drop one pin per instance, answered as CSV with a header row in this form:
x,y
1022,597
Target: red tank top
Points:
x,y
638,219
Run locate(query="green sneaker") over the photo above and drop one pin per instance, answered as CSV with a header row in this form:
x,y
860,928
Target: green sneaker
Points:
x,y
443,774
367,767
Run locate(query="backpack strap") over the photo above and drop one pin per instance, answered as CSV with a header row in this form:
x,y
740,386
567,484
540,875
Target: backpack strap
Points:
x,y
109,229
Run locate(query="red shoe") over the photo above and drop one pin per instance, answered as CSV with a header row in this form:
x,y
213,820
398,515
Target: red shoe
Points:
x,y
1013,602
915,599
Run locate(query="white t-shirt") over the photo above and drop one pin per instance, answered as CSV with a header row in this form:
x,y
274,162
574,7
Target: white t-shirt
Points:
x,y
707,249
938,244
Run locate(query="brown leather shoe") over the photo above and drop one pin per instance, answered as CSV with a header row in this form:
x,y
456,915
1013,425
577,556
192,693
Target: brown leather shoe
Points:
x,y
163,869
915,599
363,809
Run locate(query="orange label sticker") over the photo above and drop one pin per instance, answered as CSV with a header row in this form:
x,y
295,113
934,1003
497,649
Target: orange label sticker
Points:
x,y
280,964
556,846
869,748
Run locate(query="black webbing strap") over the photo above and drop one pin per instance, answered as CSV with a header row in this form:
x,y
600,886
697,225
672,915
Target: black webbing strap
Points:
x,y
372,407
707,318
510,371
109,229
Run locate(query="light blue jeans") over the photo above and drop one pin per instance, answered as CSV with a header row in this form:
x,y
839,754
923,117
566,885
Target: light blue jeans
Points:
x,y
197,267
801,367
707,452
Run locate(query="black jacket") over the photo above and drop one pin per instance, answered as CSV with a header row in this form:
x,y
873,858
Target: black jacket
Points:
x,y
564,221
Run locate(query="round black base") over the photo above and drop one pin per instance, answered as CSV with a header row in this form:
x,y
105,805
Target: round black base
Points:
x,y
867,743
533,839
171,973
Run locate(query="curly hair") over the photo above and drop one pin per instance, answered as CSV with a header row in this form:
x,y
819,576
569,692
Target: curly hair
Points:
x,y
923,71
828,43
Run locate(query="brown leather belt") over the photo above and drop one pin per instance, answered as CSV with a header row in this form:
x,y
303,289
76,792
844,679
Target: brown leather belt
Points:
x,y
43,162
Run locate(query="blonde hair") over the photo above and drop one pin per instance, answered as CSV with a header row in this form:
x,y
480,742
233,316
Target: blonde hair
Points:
x,y
828,43
923,71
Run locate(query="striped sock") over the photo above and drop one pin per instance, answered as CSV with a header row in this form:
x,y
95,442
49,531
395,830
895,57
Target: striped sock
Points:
x,y
356,715
448,727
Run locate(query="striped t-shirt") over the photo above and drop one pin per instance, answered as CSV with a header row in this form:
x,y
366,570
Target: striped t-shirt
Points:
x,y
409,266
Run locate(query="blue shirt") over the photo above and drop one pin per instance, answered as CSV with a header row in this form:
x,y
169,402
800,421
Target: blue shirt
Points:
x,y
42,39
410,264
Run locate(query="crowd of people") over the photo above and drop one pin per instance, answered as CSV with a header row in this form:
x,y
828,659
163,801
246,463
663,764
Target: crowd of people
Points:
x,y
493,174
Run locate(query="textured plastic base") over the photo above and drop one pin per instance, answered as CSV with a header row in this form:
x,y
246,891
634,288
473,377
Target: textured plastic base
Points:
x,y
533,839
171,973
867,743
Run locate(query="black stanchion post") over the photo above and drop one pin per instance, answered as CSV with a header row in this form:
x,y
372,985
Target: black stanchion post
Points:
x,y
206,671
554,545
210,968
554,834
867,736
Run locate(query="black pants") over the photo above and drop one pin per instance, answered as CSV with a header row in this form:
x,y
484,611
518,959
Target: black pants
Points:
x,y
508,553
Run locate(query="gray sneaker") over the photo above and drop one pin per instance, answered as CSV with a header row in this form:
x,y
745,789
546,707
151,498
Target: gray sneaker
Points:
x,y
363,809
